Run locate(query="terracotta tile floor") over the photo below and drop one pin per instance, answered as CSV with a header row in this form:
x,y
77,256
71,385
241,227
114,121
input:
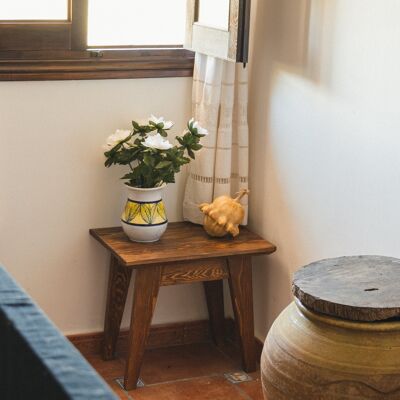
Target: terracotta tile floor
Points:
x,y
189,372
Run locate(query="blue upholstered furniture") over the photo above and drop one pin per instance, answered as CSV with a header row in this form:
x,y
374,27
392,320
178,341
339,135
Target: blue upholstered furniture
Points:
x,y
36,360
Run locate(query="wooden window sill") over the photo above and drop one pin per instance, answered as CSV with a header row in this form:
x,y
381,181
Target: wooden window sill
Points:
x,y
95,64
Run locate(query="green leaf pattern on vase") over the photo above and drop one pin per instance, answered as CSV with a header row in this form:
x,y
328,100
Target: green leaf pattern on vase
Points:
x,y
151,213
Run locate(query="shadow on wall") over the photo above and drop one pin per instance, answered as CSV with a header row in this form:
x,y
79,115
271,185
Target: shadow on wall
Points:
x,y
290,30
295,35
288,37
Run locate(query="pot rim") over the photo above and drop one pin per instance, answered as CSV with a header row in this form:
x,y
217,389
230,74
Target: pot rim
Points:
x,y
376,326
138,189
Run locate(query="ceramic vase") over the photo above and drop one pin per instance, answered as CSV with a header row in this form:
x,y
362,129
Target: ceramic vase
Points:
x,y
310,356
144,218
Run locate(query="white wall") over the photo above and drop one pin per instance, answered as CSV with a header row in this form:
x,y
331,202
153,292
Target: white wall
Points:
x,y
325,123
54,187
325,181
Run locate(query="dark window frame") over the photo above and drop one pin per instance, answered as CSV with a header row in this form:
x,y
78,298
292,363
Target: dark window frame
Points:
x,y
57,50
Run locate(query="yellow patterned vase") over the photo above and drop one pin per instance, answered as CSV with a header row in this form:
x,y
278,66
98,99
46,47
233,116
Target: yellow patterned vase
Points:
x,y
144,218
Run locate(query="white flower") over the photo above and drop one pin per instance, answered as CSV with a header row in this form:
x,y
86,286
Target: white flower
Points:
x,y
161,120
157,142
116,138
196,125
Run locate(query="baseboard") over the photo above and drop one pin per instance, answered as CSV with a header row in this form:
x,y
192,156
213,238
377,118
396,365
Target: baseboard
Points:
x,y
165,335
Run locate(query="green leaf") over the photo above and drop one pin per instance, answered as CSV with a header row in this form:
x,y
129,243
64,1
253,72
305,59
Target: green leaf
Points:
x,y
108,163
196,147
148,160
151,167
163,164
183,160
130,175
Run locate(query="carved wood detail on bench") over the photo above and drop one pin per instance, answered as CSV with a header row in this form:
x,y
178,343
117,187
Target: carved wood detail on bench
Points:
x,y
211,269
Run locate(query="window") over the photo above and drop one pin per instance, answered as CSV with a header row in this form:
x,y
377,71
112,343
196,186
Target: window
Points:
x,y
136,23
92,39
220,29
19,10
214,14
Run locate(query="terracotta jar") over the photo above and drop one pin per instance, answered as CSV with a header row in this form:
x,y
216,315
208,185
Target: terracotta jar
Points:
x,y
311,356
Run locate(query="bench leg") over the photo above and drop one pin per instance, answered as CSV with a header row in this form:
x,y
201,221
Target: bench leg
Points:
x,y
118,285
240,283
215,304
147,284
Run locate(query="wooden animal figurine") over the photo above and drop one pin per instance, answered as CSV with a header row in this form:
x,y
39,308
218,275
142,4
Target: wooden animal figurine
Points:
x,y
223,215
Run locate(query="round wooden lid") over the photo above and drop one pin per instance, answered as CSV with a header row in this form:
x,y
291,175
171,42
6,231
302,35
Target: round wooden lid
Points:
x,y
359,288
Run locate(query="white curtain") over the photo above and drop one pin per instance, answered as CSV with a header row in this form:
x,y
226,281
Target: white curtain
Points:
x,y
220,93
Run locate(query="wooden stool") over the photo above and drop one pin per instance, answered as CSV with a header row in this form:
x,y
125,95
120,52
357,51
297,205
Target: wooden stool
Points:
x,y
185,254
341,339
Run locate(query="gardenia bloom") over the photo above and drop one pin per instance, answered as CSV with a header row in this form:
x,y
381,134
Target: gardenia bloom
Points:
x,y
200,130
157,142
116,138
161,120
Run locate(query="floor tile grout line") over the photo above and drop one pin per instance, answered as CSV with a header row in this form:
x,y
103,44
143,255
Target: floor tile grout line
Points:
x,y
179,380
126,393
194,378
225,352
241,391
237,386
222,375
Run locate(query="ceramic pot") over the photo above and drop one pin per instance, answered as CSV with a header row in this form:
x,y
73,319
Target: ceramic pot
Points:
x,y
144,218
311,356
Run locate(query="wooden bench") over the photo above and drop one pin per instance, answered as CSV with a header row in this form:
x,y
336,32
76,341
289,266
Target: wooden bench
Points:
x,y
185,254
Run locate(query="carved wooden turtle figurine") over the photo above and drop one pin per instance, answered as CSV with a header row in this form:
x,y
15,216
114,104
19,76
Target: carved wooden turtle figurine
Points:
x,y
223,215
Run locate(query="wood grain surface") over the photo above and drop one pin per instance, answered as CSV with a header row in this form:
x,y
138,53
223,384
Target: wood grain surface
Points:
x,y
210,269
214,292
118,285
185,254
147,285
181,241
358,288
241,288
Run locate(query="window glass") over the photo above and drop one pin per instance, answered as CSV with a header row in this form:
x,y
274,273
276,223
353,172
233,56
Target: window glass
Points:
x,y
214,13
33,10
136,22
